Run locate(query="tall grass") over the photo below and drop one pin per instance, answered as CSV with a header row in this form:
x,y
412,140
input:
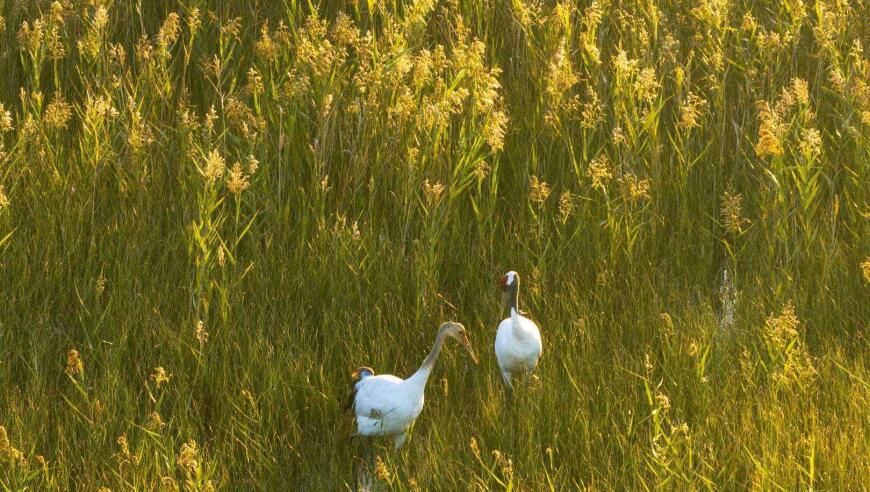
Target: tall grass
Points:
x,y
211,212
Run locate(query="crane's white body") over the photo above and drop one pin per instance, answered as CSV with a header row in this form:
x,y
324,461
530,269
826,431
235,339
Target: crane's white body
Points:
x,y
517,346
388,406
385,405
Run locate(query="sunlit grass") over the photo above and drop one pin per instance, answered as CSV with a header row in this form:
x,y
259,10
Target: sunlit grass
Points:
x,y
212,212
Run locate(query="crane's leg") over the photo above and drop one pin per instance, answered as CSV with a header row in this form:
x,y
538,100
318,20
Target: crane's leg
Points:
x,y
399,439
507,379
508,387
364,467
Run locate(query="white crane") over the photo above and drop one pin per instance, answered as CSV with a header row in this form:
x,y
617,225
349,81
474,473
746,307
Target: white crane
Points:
x,y
518,340
385,405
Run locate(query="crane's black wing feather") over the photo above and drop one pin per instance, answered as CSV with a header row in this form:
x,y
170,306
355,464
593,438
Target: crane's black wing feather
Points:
x,y
356,377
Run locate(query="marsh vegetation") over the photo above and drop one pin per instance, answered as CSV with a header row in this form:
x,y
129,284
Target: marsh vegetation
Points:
x,y
212,212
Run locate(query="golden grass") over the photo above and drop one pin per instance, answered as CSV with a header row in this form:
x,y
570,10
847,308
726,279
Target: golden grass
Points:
x,y
211,212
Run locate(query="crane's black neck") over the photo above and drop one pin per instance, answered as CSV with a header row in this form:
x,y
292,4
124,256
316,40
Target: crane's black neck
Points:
x,y
512,294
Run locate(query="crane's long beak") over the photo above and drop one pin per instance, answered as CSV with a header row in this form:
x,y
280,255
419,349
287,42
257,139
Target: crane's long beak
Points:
x,y
471,353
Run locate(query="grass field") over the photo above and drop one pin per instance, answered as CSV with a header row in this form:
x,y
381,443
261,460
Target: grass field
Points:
x,y
211,212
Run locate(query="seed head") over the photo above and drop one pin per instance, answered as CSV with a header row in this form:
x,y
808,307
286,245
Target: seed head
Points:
x,y
561,76
668,321
481,170
581,326
432,192
507,469
5,119
254,85
770,132
691,111
168,33
662,401
791,361
504,461
237,182
355,233
602,278
168,484
160,376
253,164
57,13
56,47
123,445
592,111
344,32
800,91
782,329
647,84
97,408
249,398
475,450
618,135
623,65
539,190
422,71
210,117
200,333
731,213
100,285
838,81
232,27
600,172
188,458
637,189
214,166
144,50
193,21
30,38
381,471
58,113
98,109
811,143
101,17
140,134
265,47
74,364
413,485
155,421
566,206
494,130
7,451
